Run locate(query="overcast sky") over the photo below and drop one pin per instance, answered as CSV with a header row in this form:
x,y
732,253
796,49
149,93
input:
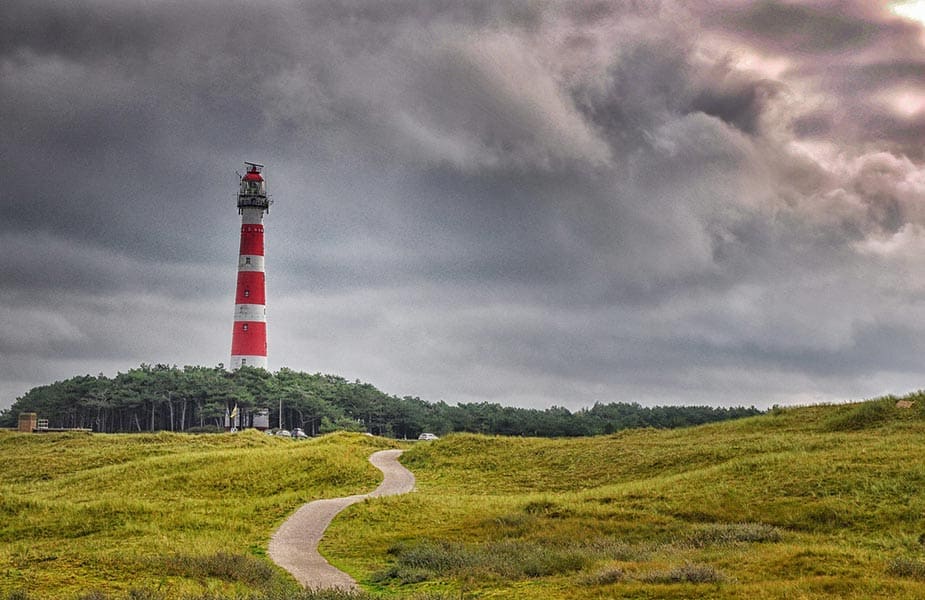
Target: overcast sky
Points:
x,y
529,203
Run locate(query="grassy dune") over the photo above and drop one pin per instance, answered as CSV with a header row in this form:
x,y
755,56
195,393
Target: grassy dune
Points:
x,y
176,513
820,502
804,503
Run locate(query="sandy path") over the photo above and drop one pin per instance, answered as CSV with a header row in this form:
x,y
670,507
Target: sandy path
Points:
x,y
294,546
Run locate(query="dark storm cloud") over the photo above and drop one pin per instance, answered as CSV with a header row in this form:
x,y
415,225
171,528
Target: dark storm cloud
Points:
x,y
736,100
851,54
524,202
818,28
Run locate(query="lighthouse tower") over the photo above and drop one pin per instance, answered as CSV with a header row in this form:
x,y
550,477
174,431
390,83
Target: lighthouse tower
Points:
x,y
249,339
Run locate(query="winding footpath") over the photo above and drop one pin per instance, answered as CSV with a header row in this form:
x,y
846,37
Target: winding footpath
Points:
x,y
294,546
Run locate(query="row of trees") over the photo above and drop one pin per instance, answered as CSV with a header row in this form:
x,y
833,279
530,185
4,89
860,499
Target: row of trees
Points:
x,y
162,397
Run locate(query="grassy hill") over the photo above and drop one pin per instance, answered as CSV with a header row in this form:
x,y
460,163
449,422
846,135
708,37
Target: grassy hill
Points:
x,y
170,512
816,502
803,503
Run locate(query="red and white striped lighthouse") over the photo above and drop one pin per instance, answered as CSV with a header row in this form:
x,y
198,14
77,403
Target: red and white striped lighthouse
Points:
x,y
249,339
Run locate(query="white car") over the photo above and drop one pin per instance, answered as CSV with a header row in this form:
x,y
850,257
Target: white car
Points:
x,y
427,436
298,434
283,433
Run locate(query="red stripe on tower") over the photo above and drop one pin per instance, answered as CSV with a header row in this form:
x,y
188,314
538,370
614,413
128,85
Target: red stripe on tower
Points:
x,y
251,240
251,288
249,337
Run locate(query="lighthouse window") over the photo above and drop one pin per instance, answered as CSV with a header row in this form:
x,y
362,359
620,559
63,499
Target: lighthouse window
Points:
x,y
247,260
247,293
244,327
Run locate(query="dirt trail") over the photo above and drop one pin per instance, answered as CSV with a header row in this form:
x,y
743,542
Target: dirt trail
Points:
x,y
294,546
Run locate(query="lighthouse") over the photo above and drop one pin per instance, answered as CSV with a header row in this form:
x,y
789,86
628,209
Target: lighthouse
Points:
x,y
249,338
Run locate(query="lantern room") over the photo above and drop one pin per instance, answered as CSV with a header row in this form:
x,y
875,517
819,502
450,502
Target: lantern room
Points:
x,y
253,192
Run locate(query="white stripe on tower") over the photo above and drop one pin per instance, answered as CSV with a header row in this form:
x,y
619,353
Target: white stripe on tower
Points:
x,y
250,263
249,339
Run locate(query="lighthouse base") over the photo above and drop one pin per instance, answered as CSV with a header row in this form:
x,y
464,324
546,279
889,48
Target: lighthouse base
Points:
x,y
251,361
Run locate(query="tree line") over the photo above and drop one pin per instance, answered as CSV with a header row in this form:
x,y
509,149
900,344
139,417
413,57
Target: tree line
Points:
x,y
196,399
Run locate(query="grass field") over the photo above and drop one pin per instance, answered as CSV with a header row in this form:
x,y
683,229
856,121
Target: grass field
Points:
x,y
818,502
182,514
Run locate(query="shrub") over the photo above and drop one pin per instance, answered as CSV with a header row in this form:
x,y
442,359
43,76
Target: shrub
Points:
x,y
222,565
686,573
437,556
906,567
541,561
418,561
732,533
546,508
509,559
611,549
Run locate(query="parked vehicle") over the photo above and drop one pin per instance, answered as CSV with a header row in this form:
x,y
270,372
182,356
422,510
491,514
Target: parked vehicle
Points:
x,y
427,437
299,434
283,433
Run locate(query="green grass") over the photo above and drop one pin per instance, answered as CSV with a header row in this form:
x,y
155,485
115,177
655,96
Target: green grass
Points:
x,y
817,502
179,514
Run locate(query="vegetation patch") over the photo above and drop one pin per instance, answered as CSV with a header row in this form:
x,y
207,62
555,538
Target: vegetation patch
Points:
x,y
727,534
908,568
686,573
604,577
861,416
507,559
547,508
222,565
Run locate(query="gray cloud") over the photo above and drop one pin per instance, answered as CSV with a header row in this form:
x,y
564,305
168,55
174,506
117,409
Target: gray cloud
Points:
x,y
838,27
529,203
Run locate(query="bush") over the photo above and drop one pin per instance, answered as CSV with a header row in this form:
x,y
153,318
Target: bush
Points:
x,y
906,567
732,533
416,562
222,565
436,556
546,508
686,573
508,559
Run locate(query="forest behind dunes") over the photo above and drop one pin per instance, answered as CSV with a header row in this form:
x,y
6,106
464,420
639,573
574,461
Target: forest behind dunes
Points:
x,y
197,399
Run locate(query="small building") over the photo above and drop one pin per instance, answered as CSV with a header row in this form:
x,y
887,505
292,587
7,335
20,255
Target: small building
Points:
x,y
28,422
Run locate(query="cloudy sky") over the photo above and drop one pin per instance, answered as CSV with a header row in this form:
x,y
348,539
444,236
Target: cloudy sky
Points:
x,y
523,202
